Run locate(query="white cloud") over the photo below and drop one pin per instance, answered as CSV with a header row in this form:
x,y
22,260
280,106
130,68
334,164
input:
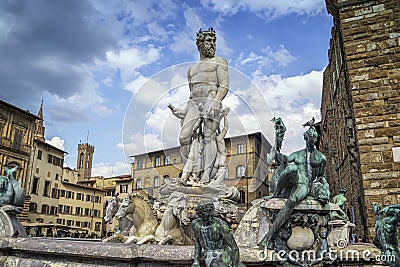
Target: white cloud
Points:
x,y
57,142
269,56
266,9
128,61
294,99
110,169
139,143
281,55
185,41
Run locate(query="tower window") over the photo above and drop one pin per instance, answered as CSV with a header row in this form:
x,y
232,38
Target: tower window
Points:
x,y
167,160
140,164
157,161
156,181
81,160
240,171
240,148
88,161
242,198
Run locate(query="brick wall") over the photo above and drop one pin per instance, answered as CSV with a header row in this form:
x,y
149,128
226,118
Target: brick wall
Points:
x,y
369,33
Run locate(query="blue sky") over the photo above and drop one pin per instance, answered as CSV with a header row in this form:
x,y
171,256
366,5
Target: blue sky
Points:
x,y
107,69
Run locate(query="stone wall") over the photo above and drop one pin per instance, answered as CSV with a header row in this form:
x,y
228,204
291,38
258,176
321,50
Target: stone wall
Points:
x,y
369,32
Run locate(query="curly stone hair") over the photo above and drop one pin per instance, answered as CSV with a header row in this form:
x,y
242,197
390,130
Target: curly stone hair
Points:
x,y
202,34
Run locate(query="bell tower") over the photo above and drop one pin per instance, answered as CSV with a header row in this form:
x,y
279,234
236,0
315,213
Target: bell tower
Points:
x,y
39,127
84,161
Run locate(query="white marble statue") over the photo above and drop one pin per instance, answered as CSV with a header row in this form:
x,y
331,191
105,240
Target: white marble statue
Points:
x,y
208,83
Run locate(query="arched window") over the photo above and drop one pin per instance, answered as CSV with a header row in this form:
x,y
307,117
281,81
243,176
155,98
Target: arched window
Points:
x,y
242,198
239,171
88,160
138,183
140,164
166,179
157,161
81,160
156,181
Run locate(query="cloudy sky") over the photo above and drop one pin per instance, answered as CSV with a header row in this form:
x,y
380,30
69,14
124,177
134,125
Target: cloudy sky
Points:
x,y
108,69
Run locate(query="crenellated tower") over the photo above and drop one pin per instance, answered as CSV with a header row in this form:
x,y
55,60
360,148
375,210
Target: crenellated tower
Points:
x,y
84,161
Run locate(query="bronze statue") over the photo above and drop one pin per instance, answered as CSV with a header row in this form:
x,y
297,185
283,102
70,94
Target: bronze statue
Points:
x,y
340,200
387,236
295,181
11,192
213,236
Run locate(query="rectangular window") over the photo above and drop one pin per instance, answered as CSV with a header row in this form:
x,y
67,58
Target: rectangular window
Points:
x,y
96,213
88,212
157,161
70,222
88,198
17,139
62,194
97,199
32,207
97,226
49,158
45,209
67,209
35,186
123,188
78,211
57,176
46,191
39,154
78,223
54,192
240,148
53,210
60,208
37,170
59,221
78,196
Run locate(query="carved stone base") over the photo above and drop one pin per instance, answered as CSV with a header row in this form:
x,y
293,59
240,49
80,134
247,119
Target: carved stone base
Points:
x,y
340,233
224,198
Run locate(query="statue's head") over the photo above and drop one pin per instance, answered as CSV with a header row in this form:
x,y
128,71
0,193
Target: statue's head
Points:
x,y
311,136
204,209
343,191
206,42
